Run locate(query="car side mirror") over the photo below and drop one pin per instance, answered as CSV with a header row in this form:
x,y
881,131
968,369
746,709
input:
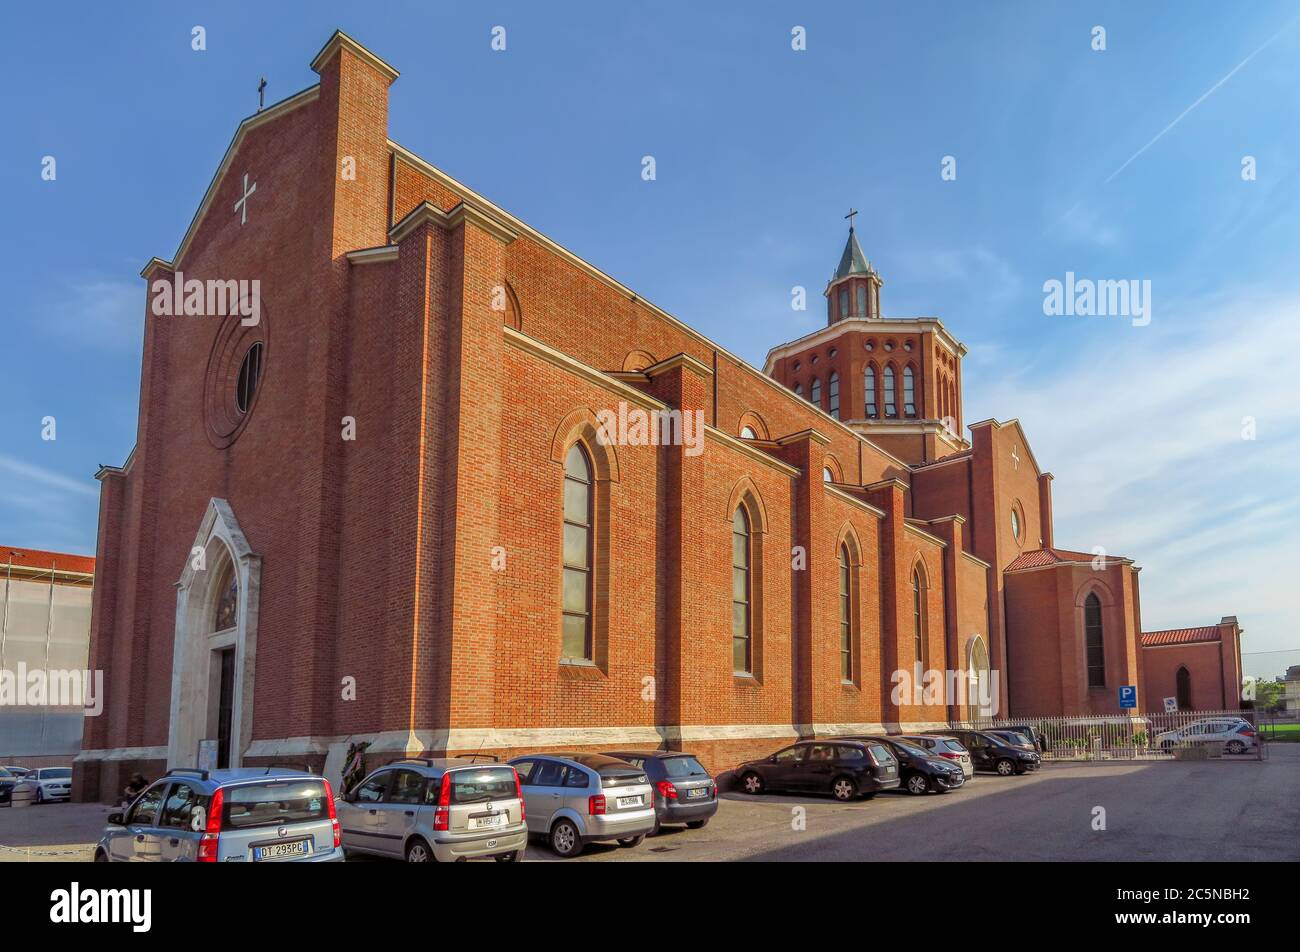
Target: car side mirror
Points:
x,y
117,819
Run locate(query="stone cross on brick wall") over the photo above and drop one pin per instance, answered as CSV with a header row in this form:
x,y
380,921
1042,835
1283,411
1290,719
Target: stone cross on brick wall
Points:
x,y
1015,460
241,206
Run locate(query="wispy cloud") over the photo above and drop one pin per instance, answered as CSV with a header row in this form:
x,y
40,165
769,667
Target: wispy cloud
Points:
x,y
99,313
1142,428
31,473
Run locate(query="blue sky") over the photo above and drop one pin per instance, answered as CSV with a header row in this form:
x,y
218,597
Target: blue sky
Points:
x,y
759,150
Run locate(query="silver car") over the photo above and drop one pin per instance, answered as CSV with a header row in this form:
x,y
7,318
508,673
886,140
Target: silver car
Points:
x,y
243,815
436,809
576,799
949,748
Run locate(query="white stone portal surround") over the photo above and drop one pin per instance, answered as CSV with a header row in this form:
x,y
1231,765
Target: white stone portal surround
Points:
x,y
222,543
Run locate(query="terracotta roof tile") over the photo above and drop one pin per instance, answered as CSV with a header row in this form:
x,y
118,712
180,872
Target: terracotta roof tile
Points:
x,y
41,560
1037,558
1179,636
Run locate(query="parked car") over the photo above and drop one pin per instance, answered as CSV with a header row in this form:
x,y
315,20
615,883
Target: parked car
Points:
x,y
1014,738
436,810
576,799
1036,740
241,815
52,783
993,753
18,771
918,771
683,790
1235,733
844,768
8,781
949,748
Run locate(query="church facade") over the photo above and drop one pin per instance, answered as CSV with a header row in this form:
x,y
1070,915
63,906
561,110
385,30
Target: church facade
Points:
x,y
432,482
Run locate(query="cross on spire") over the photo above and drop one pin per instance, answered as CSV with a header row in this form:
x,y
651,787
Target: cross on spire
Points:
x,y
852,212
261,94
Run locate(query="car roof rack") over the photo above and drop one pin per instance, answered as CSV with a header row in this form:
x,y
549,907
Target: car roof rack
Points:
x,y
190,771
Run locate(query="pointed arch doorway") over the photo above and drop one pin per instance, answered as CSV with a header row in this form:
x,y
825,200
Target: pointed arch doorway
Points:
x,y
215,645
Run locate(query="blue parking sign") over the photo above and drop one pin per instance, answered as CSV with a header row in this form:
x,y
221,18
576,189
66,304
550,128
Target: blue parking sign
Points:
x,y
1128,696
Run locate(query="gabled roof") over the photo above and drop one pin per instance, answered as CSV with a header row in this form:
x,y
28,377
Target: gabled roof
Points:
x,y
853,261
1038,558
1179,636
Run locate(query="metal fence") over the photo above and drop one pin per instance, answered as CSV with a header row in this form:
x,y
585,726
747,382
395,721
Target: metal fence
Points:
x,y
1179,735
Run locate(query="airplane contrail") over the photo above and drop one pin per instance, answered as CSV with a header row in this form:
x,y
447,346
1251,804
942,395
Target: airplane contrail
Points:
x,y
1204,96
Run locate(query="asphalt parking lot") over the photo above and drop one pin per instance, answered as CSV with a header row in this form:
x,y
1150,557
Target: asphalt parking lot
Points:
x,y
1229,809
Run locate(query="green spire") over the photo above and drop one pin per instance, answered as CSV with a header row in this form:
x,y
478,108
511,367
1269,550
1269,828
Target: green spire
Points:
x,y
853,261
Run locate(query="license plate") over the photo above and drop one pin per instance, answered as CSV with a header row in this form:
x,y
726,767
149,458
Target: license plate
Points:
x,y
889,770
280,850
697,793
629,801
487,822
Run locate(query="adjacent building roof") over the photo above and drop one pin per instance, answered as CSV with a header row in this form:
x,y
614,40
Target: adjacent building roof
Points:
x,y
29,561
1179,636
1038,558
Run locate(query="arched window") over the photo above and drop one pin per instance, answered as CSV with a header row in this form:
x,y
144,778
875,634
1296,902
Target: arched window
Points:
x,y
1096,642
741,630
891,408
846,615
227,613
980,686
869,386
827,475
747,433
909,392
575,638
833,394
918,616
862,300
815,394
798,390
844,302
1183,689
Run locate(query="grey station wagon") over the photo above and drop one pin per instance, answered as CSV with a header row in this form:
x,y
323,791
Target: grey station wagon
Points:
x,y
247,814
436,809
576,799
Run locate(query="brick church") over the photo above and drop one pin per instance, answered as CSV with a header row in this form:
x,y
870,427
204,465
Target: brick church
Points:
x,y
380,500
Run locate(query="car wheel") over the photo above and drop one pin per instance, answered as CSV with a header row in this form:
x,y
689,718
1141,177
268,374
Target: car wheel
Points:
x,y
1235,747
101,856
40,795
628,842
917,784
844,789
516,857
417,851
565,841
752,783
1005,767
697,824
1166,744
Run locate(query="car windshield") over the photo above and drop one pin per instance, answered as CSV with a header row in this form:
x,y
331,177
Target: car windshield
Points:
x,y
56,773
483,786
680,768
614,777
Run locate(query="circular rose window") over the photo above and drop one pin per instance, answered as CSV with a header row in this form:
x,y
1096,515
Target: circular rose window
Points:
x,y
234,379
